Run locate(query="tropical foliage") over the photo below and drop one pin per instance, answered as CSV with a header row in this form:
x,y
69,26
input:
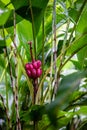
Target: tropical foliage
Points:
x,y
58,31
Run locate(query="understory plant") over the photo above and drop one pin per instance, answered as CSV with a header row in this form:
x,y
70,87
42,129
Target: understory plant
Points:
x,y
43,65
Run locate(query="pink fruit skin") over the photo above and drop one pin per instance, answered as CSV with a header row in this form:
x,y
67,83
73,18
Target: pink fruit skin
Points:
x,y
34,73
29,73
39,72
33,69
38,63
27,66
30,66
35,65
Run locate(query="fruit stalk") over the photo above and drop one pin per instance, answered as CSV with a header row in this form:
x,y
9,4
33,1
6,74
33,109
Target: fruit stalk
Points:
x,y
34,76
30,43
35,84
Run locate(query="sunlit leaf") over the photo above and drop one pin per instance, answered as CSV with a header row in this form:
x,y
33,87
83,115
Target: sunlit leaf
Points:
x,y
4,14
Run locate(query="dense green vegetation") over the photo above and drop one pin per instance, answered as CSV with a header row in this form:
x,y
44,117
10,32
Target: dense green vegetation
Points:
x,y
58,31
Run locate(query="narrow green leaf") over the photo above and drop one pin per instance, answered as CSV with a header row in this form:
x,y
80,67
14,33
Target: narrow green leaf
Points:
x,y
77,44
82,24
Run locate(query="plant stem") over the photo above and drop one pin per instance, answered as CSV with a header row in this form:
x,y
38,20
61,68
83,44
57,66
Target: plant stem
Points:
x,y
42,55
32,57
51,72
63,51
18,125
6,90
35,125
6,56
6,111
6,108
33,28
35,81
35,84
48,70
55,47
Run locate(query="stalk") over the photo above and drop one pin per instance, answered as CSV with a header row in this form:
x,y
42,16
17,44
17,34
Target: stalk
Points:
x,y
42,55
54,47
33,28
6,57
35,81
15,87
48,70
70,39
35,85
51,71
6,108
6,111
63,51
31,53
